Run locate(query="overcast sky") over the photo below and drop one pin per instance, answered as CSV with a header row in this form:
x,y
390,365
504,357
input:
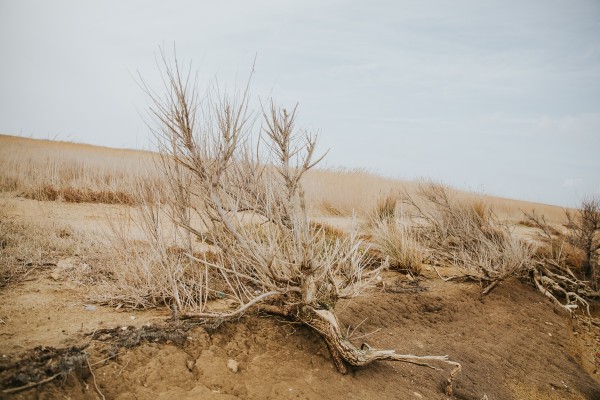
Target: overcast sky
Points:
x,y
501,97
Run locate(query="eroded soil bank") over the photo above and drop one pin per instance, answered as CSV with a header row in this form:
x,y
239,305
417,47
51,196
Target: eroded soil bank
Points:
x,y
512,344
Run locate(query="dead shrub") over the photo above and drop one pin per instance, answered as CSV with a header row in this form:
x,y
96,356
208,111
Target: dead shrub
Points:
x,y
467,235
561,263
470,237
153,274
220,176
584,233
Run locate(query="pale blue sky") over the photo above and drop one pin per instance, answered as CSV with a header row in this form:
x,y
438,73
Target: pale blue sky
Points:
x,y
496,96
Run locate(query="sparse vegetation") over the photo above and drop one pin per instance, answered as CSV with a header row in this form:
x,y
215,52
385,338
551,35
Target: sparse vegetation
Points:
x,y
230,224
27,248
467,235
184,271
584,233
248,202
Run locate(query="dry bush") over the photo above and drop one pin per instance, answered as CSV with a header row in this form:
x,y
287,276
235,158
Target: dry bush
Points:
x,y
565,261
160,270
584,233
467,235
144,276
245,197
553,244
470,236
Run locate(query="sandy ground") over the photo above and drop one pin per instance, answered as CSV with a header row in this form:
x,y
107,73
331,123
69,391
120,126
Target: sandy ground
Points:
x,y
512,343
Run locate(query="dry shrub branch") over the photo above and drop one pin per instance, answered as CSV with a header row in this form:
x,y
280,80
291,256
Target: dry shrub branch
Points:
x,y
584,233
246,200
567,261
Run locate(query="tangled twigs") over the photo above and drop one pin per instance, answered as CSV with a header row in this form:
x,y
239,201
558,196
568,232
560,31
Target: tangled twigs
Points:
x,y
469,236
556,284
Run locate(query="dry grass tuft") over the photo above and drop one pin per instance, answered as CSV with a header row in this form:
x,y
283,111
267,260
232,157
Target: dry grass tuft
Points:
x,y
385,209
26,248
330,232
398,242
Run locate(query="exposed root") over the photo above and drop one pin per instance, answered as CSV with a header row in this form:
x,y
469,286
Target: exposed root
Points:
x,y
344,352
234,314
30,385
491,283
47,364
552,285
129,337
94,379
44,365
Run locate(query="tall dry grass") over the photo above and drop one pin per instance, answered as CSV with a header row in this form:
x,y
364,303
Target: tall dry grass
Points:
x,y
52,170
72,172
340,192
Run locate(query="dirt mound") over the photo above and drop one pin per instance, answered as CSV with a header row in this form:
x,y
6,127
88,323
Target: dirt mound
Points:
x,y
512,344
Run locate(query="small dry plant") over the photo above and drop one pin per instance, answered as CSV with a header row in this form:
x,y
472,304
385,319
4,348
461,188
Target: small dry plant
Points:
x,y
399,243
394,237
241,194
160,270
